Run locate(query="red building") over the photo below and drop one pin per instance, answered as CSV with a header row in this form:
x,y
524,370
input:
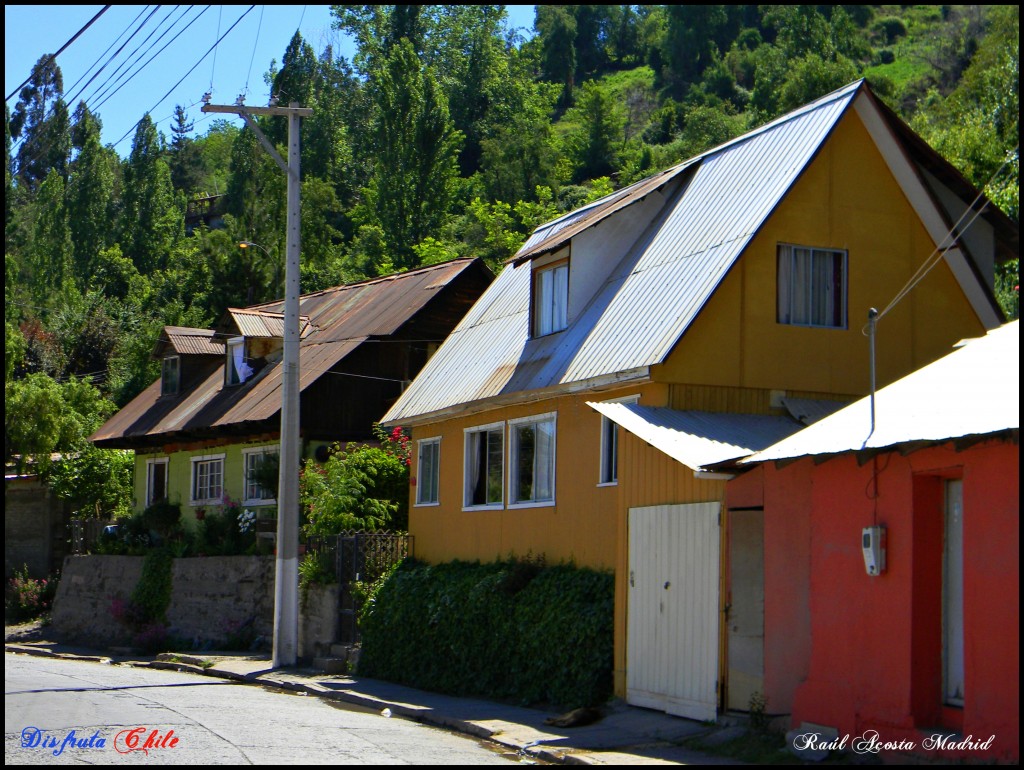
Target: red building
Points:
x,y
915,635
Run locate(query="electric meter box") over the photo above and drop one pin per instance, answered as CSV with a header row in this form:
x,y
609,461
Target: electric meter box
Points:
x,y
873,545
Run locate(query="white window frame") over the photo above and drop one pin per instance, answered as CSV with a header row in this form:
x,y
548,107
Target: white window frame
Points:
x,y
549,283
164,390
610,444
467,505
434,475
151,464
795,294
236,374
513,473
247,453
210,500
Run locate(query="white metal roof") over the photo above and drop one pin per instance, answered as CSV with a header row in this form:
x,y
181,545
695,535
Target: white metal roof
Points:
x,y
973,391
698,439
653,294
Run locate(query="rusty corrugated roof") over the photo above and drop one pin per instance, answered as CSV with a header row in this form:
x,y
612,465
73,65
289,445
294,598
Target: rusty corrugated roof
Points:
x,y
252,322
189,342
339,321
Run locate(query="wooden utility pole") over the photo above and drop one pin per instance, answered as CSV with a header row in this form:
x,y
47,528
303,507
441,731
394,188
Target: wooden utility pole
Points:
x,y
286,578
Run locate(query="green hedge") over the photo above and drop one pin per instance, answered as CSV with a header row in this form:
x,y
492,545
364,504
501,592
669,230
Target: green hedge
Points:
x,y
512,630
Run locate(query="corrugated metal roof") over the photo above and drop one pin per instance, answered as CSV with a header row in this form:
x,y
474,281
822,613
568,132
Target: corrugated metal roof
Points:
x,y
186,341
339,320
264,323
698,439
973,391
656,291
810,410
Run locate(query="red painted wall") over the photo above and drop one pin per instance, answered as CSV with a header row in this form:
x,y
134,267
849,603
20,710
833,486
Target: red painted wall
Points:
x,y
862,653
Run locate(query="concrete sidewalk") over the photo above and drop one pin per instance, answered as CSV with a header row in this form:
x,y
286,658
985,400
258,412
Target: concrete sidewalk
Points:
x,y
625,735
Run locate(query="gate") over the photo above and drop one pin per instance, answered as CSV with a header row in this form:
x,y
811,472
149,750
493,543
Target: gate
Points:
x,y
359,557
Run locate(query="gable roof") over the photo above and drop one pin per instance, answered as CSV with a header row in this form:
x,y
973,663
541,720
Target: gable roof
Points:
x,y
336,322
973,391
707,211
188,342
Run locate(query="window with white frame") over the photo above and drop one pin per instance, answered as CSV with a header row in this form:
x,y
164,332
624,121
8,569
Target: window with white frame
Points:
x,y
428,471
812,286
237,370
484,475
207,479
258,463
170,375
156,480
532,459
551,298
610,444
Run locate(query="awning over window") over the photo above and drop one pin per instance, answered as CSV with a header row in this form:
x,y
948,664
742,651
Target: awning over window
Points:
x,y
699,440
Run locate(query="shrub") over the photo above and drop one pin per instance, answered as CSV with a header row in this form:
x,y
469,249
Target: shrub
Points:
x,y
27,598
514,629
164,517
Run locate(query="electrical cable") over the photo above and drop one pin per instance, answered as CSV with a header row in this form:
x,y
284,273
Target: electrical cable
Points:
x,y
212,48
128,74
169,42
941,250
255,45
74,37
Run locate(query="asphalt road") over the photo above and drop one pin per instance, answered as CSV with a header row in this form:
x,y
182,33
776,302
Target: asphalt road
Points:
x,y
73,712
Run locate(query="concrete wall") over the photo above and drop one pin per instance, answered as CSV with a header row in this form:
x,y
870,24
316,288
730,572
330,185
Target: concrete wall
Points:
x,y
35,528
211,598
870,648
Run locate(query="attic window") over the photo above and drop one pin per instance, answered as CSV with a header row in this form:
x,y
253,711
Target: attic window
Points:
x,y
170,375
812,287
237,370
551,298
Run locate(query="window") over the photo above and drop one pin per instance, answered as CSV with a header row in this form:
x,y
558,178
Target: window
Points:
x,y
260,474
484,476
237,370
170,375
156,480
532,459
610,444
428,471
207,479
812,287
551,299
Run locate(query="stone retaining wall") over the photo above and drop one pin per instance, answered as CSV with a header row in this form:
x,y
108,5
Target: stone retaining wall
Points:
x,y
212,599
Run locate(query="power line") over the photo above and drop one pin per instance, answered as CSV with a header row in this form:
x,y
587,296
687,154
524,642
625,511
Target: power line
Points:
x,y
212,48
952,238
74,37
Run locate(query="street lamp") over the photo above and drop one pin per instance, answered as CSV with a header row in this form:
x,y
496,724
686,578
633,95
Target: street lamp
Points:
x,y
277,267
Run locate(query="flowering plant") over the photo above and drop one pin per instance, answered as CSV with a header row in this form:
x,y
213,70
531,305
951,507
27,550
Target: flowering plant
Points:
x,y
246,520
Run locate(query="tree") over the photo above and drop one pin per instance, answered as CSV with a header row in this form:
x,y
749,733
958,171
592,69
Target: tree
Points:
x,y
89,194
51,250
185,161
150,220
556,33
416,148
42,416
592,147
40,119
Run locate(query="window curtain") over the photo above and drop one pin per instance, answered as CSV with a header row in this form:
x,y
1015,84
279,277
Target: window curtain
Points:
x,y
242,370
544,461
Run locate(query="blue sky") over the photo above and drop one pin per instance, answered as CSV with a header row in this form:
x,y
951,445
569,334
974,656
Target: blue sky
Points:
x,y
148,78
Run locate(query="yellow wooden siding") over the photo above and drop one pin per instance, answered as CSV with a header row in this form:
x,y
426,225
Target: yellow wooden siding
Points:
x,y
719,398
580,525
846,199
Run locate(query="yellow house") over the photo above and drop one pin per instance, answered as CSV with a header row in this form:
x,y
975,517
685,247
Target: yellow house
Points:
x,y
687,320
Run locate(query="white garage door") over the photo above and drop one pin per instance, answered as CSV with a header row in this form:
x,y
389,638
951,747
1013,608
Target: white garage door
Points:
x,y
672,626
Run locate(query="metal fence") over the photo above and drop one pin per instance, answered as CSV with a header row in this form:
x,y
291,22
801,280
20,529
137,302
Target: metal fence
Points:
x,y
85,533
358,557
